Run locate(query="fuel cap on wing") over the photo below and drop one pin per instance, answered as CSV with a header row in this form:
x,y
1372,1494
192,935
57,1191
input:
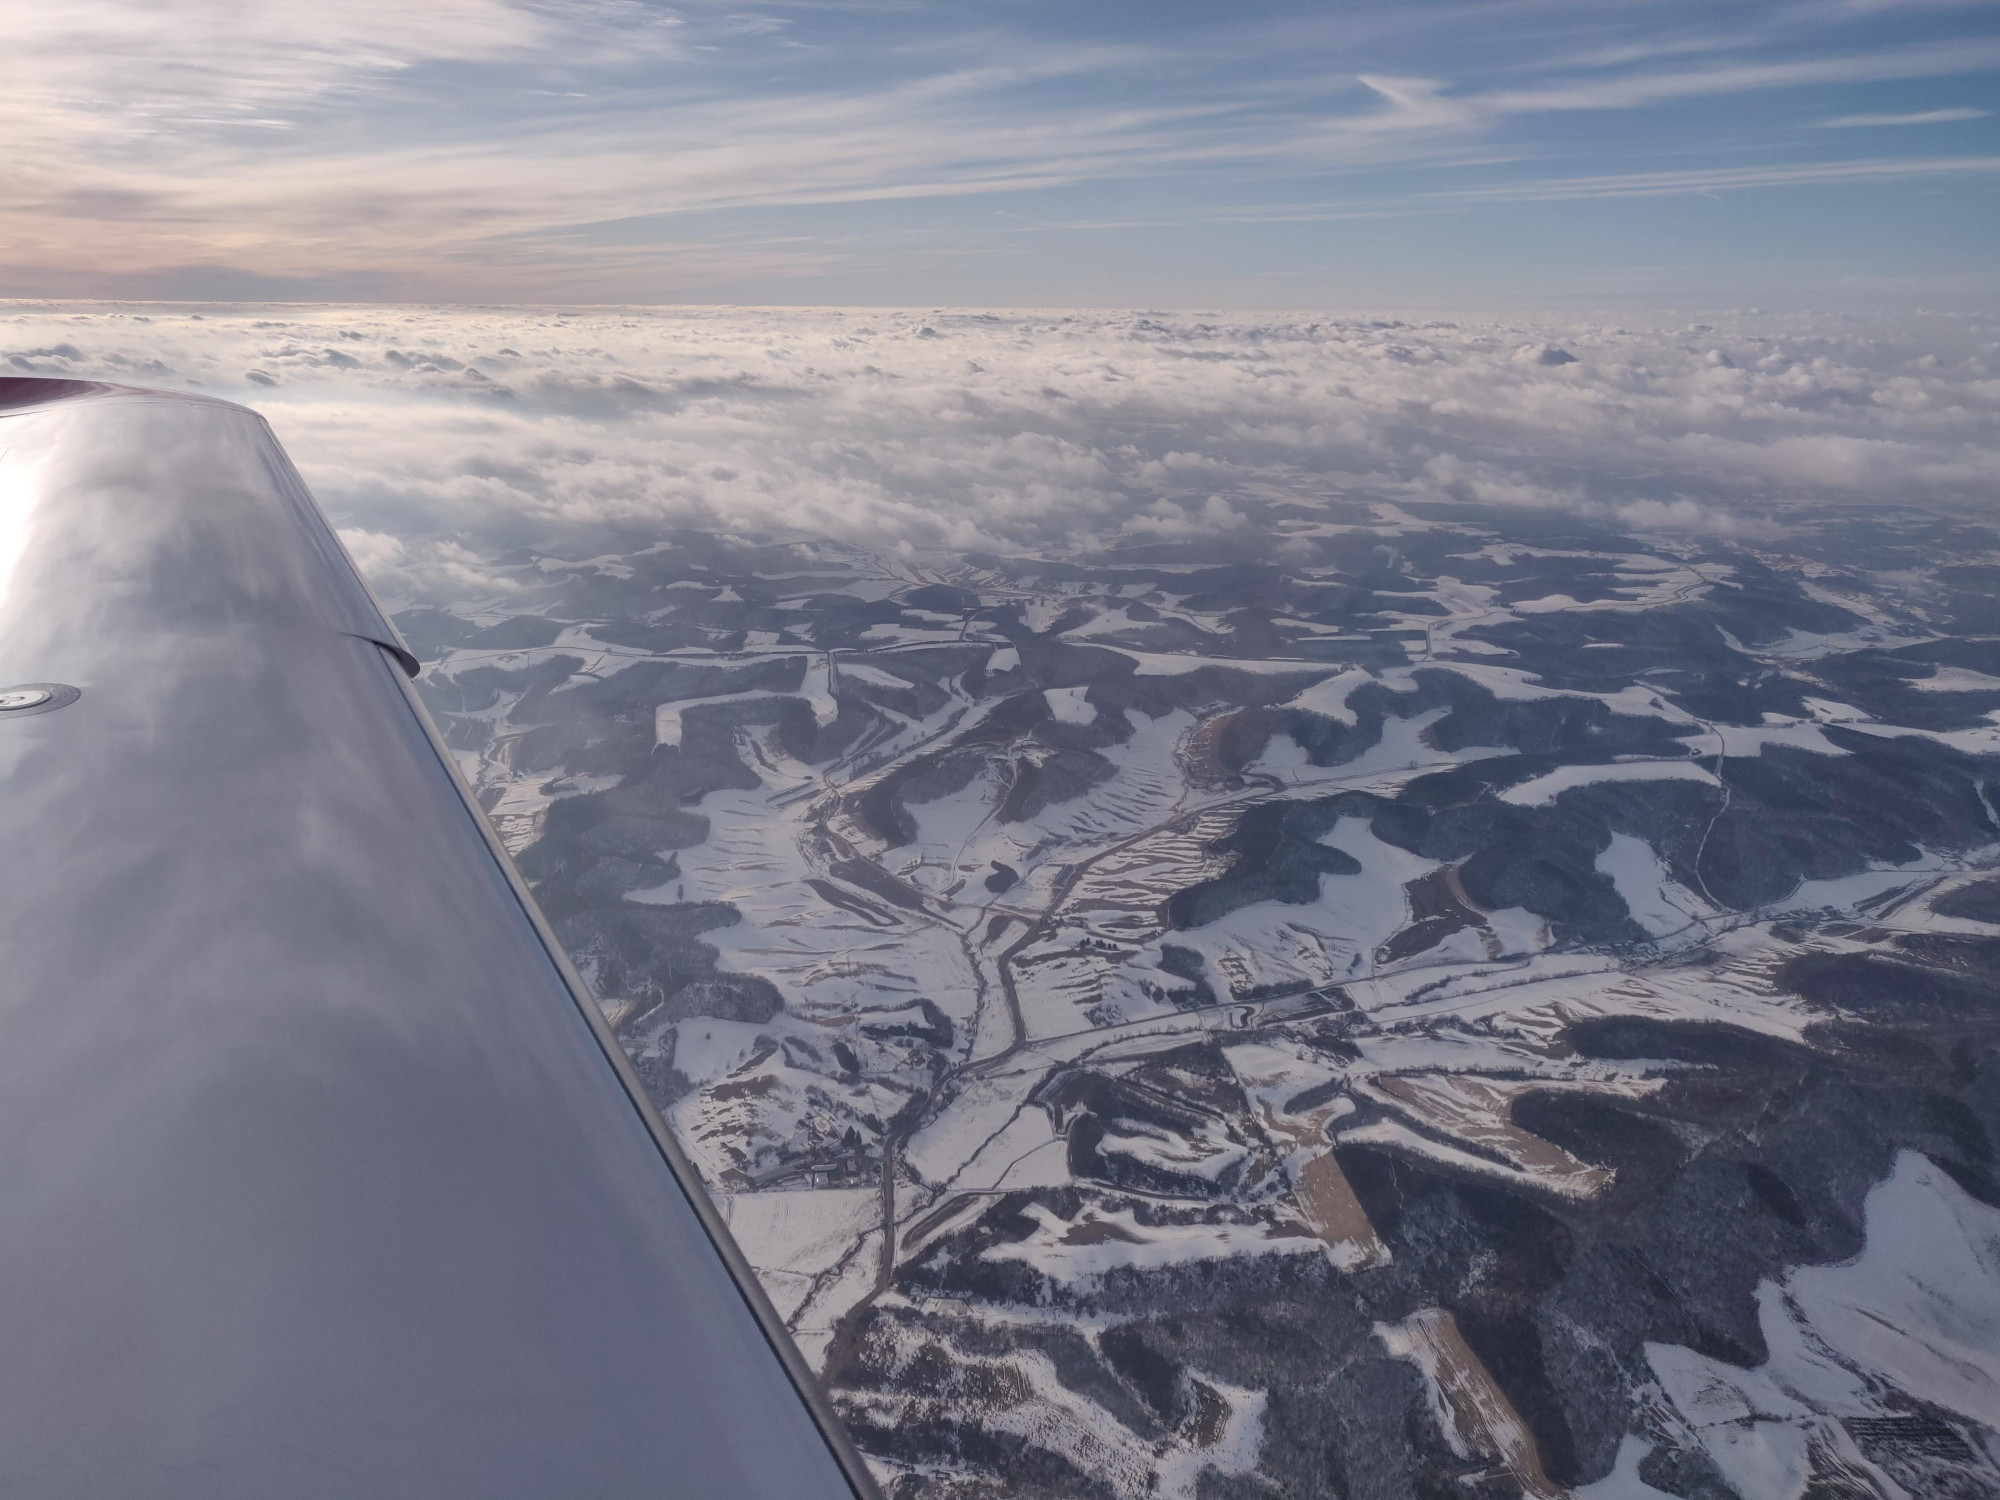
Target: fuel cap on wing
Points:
x,y
35,698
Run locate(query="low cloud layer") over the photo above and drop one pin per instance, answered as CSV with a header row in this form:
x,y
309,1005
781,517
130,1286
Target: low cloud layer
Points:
x,y
439,440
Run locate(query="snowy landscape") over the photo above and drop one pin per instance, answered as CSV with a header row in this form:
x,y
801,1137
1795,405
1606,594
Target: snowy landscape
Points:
x,y
1563,995
1243,909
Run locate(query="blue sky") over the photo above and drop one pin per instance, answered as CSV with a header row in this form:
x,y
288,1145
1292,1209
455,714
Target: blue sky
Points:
x,y
1572,154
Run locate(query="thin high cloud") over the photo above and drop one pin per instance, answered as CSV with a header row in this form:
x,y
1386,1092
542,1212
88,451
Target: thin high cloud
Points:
x,y
504,149
1728,179
1921,117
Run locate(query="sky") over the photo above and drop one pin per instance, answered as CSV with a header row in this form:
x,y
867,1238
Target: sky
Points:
x,y
1419,154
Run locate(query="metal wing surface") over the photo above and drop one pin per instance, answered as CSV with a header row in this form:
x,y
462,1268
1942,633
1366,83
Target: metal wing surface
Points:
x,y
319,1175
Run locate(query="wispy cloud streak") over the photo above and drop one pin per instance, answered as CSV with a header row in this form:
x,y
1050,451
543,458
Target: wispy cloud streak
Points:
x,y
1921,117
1725,179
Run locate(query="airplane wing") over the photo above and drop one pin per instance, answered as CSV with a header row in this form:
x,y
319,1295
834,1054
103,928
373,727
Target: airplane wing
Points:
x,y
320,1174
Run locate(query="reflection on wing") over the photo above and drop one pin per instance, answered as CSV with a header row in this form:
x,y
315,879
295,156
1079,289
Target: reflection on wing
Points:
x,y
317,1174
